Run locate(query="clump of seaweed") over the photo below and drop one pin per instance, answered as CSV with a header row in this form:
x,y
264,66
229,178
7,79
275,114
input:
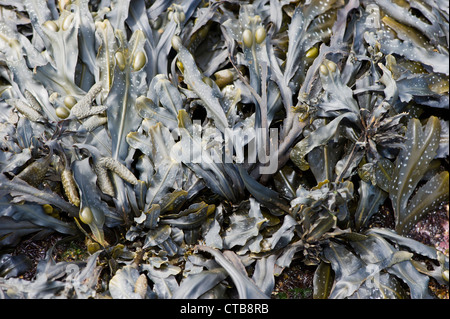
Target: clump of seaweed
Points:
x,y
198,148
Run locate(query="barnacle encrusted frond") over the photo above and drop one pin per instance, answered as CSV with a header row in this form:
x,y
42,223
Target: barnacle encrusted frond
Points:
x,y
104,164
70,187
83,107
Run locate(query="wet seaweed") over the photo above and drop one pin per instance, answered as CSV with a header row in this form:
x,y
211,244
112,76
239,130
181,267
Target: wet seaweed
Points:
x,y
201,148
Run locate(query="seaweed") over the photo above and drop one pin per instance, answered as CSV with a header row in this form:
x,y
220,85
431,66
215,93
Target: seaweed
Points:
x,y
201,148
409,169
